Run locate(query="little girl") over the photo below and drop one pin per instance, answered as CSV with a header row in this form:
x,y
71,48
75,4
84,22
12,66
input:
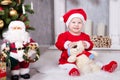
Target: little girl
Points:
x,y
75,20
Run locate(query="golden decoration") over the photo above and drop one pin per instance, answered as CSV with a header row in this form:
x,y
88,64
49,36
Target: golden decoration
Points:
x,y
1,23
6,2
13,12
19,1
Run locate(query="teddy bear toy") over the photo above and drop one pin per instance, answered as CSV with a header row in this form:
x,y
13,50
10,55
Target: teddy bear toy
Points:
x,y
84,60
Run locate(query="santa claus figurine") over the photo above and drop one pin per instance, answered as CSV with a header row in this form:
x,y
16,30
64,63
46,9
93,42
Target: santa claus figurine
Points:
x,y
15,41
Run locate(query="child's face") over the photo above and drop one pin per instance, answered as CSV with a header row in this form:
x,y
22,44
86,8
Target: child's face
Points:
x,y
75,26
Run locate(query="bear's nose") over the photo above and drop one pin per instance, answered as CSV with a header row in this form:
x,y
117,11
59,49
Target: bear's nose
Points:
x,y
75,46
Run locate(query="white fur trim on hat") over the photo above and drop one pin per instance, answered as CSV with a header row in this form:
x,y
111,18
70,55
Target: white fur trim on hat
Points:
x,y
73,16
16,23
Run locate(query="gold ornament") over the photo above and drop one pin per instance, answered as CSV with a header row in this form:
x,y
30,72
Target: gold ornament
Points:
x,y
19,1
1,23
13,12
6,2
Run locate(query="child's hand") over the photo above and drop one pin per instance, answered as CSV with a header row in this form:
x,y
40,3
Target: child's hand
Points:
x,y
84,44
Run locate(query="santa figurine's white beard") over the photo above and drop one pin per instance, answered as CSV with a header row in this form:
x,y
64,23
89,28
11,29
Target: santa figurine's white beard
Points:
x,y
16,36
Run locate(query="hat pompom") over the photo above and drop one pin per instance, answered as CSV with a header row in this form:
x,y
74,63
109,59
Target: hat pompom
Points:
x,y
61,19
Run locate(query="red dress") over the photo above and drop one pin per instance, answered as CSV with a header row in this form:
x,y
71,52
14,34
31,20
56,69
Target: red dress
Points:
x,y
67,36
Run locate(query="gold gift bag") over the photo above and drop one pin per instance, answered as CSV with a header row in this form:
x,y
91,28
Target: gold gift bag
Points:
x,y
2,70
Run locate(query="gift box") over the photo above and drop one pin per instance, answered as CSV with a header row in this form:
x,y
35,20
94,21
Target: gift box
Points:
x,y
2,70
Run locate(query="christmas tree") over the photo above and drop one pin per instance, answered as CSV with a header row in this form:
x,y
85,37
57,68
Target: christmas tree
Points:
x,y
14,10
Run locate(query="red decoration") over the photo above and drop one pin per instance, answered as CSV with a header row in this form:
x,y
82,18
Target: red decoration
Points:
x,y
1,8
2,70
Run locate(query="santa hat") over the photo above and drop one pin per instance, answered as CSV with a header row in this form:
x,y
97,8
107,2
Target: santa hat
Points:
x,y
80,13
15,24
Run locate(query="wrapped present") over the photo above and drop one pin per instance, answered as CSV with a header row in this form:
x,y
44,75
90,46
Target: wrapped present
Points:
x,y
101,41
2,70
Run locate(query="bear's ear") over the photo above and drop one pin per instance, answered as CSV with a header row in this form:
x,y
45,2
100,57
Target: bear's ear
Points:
x,y
80,43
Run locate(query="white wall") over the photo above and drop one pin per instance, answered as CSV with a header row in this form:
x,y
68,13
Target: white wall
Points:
x,y
114,22
59,10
